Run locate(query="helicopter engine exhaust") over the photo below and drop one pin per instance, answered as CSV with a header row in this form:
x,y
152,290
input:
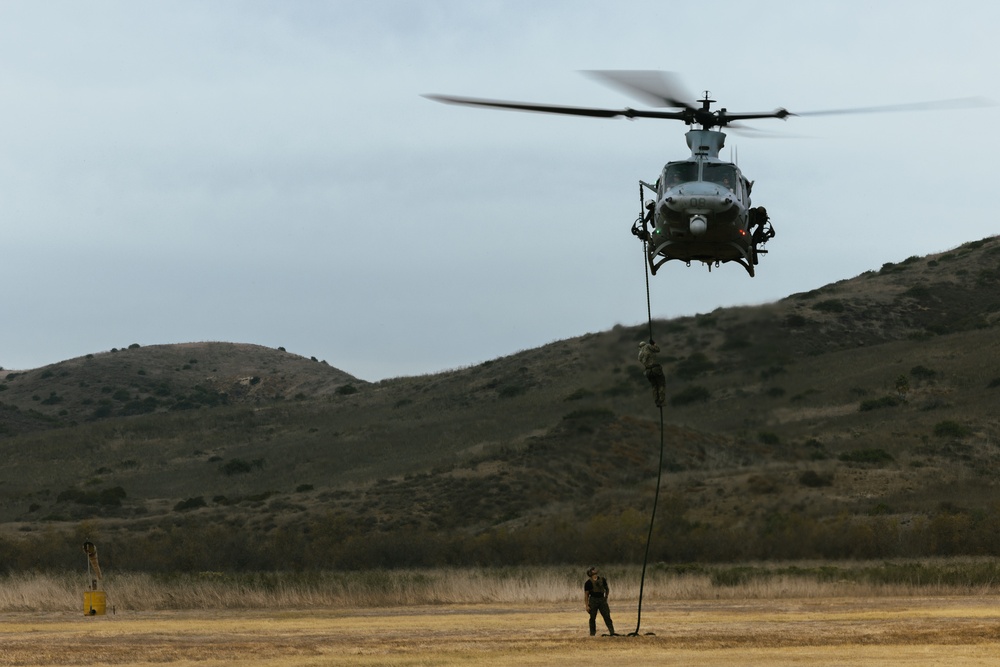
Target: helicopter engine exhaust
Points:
x,y
698,225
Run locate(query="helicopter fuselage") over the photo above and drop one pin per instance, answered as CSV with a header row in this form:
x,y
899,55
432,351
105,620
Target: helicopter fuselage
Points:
x,y
702,208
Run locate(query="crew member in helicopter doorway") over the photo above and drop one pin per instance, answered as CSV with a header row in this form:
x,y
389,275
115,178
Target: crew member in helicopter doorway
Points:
x,y
653,370
595,599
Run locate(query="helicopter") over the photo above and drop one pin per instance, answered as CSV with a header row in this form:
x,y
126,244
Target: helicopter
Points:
x,y
701,209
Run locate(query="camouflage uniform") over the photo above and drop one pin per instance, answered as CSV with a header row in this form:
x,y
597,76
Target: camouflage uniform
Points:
x,y
653,370
595,597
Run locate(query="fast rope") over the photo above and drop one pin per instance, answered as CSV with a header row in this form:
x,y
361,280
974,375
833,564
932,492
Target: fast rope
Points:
x,y
659,467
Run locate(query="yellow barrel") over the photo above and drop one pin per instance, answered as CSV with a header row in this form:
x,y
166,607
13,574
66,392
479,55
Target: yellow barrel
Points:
x,y
95,603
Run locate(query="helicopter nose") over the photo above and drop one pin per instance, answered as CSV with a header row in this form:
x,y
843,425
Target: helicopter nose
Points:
x,y
695,203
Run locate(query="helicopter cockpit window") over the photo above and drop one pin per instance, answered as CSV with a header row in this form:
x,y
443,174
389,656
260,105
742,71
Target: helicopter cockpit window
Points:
x,y
723,174
682,172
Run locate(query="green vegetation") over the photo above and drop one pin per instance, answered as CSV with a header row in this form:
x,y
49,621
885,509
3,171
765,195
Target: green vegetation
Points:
x,y
813,479
190,504
689,395
547,455
874,456
950,429
829,306
695,365
879,403
241,467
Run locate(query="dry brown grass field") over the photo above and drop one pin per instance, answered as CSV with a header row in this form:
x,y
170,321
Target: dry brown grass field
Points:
x,y
481,617
885,631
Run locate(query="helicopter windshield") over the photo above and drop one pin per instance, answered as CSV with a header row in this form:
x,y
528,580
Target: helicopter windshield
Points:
x,y
723,174
682,172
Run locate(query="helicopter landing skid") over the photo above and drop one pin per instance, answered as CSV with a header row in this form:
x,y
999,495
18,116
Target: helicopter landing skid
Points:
x,y
745,258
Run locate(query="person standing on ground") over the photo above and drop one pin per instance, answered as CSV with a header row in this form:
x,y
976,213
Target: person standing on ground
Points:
x,y
595,599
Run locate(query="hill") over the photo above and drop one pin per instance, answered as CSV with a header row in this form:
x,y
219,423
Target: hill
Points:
x,y
857,420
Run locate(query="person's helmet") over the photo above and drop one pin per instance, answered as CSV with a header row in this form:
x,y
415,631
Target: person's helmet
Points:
x,y
592,571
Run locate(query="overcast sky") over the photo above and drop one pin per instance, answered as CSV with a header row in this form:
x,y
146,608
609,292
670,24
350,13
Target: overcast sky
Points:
x,y
267,172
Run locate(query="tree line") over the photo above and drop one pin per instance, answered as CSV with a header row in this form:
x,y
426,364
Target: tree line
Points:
x,y
334,541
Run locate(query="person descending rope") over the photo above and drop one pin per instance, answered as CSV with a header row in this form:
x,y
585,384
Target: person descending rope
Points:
x,y
653,370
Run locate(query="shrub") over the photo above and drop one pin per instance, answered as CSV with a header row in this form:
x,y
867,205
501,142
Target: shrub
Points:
x,y
601,414
768,438
101,412
108,497
689,395
762,484
693,366
795,321
950,429
876,456
814,479
829,306
347,389
112,496
236,467
578,394
771,371
190,504
510,391
877,403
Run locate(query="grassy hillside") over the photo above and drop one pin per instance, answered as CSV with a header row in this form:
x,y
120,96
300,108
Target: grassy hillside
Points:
x,y
857,420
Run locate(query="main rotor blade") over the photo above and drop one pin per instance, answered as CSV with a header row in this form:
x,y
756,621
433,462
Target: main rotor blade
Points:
x,y
654,87
748,132
957,103
552,108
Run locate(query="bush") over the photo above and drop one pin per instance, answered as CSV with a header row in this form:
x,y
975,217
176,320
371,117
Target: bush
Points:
x,y
876,456
108,497
829,306
579,394
241,467
814,479
599,414
510,391
693,366
877,403
689,395
347,389
190,504
950,429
